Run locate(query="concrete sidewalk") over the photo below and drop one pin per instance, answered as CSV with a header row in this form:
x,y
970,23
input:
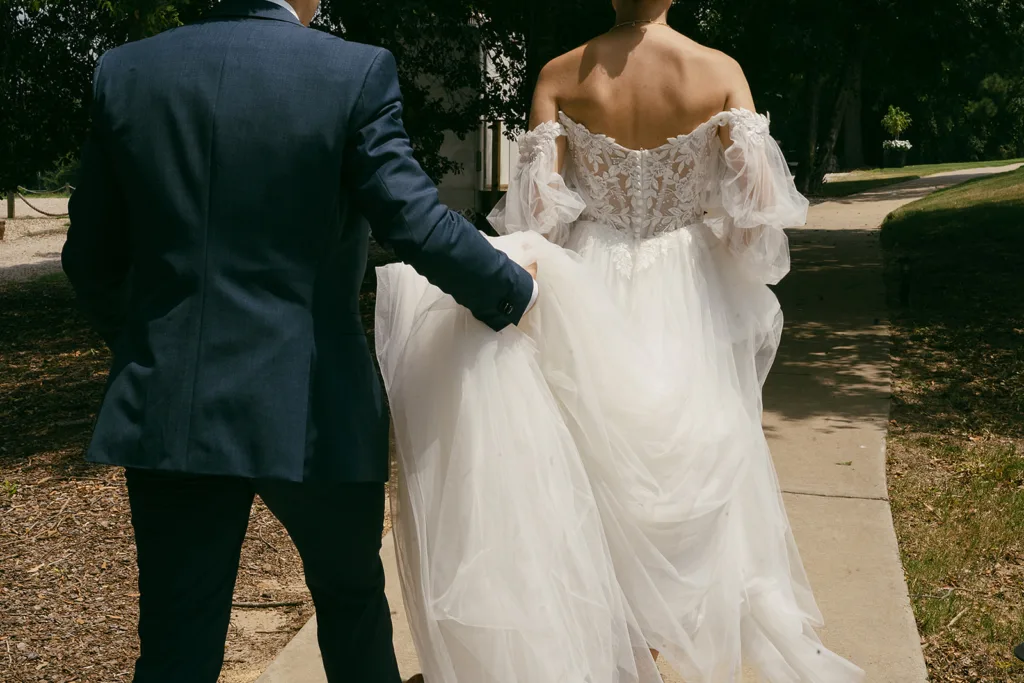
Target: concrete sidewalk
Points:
x,y
826,413
826,417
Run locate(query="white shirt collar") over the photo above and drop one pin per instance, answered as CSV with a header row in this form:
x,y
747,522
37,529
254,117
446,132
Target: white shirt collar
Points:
x,y
287,6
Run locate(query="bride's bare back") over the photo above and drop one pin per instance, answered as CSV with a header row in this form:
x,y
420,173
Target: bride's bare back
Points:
x,y
640,85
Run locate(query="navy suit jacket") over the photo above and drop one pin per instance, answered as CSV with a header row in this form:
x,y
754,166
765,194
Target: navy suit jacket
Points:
x,y
219,236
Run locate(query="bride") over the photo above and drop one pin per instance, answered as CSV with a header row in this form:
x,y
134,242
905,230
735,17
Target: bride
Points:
x,y
592,490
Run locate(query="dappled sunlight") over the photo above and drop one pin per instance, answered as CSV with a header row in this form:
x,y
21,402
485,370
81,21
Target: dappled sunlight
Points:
x,y
831,365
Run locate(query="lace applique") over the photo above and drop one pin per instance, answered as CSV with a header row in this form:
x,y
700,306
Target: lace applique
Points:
x,y
539,141
744,124
640,192
744,194
630,256
538,198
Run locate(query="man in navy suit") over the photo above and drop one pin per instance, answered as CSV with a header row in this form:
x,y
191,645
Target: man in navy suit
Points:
x,y
218,240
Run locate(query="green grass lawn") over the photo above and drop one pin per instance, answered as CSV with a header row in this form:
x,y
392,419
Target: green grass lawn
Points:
x,y
860,181
955,269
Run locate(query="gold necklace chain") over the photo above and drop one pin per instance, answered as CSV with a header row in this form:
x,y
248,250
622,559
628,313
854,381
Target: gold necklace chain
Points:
x,y
639,22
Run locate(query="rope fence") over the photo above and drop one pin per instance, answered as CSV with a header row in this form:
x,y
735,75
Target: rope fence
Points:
x,y
469,214
67,188
38,210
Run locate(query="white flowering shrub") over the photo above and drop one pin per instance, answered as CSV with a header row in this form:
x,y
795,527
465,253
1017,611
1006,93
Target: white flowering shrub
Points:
x,y
897,144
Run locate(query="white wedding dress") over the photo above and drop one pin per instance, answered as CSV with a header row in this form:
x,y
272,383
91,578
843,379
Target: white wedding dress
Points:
x,y
596,482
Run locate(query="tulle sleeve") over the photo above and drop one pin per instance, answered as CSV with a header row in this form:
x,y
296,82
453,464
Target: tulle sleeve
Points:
x,y
751,197
538,198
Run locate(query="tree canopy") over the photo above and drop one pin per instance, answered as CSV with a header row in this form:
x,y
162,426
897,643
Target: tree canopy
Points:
x,y
828,71
47,55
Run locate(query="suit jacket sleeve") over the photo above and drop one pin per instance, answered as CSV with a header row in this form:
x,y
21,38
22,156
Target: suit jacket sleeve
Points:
x,y
401,204
96,256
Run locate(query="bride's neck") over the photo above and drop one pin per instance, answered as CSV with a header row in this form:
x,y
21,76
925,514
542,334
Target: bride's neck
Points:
x,y
639,11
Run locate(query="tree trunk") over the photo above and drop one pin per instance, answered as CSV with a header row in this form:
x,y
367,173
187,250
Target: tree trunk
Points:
x,y
853,142
851,75
7,134
817,178
810,159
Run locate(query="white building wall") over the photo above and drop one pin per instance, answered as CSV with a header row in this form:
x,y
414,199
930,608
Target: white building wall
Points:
x,y
470,190
509,155
461,191
458,190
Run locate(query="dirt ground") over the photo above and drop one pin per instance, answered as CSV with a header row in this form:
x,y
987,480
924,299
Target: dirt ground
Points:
x,y
31,247
68,581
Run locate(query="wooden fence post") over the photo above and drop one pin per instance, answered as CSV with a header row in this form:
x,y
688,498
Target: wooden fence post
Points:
x,y
10,204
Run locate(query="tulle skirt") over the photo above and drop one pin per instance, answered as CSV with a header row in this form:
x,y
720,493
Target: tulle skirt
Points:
x,y
595,482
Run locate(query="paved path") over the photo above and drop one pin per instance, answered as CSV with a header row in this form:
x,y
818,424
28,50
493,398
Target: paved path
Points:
x,y
826,412
32,243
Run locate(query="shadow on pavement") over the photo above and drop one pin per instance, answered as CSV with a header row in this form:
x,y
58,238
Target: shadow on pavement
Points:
x,y
834,357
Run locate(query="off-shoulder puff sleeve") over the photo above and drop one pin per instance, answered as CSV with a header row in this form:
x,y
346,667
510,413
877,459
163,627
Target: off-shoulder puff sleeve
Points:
x,y
751,197
538,198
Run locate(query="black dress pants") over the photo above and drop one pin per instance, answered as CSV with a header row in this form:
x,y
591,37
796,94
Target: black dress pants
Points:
x,y
189,531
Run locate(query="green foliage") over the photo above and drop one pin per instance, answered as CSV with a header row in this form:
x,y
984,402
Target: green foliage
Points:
x,y
896,121
956,65
933,58
143,18
945,79
519,38
995,116
47,54
437,46
63,173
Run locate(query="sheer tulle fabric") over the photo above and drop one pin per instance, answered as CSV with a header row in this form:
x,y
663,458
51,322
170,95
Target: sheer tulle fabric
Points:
x,y
752,197
541,202
505,568
596,481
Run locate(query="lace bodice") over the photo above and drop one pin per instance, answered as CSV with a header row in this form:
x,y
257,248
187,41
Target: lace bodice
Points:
x,y
641,192
743,193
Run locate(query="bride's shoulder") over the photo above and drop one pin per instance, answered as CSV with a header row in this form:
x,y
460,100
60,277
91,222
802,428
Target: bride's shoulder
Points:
x,y
595,55
720,63
726,75
564,66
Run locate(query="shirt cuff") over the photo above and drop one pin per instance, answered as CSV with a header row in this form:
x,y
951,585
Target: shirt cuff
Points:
x,y
533,299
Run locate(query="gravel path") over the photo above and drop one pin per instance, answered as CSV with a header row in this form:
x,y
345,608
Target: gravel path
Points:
x,y
32,244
